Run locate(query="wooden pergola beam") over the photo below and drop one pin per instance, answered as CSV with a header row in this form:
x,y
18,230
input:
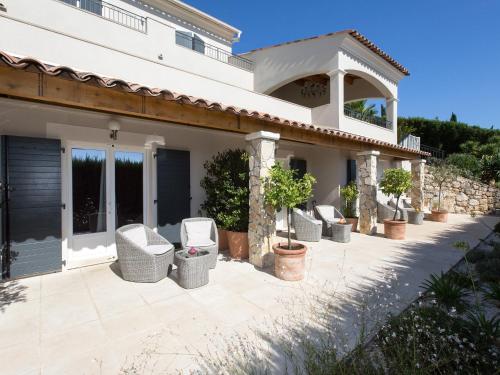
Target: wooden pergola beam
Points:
x,y
43,88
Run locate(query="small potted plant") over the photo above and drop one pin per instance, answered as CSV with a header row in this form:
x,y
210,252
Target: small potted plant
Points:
x,y
350,194
395,182
282,188
416,216
441,173
227,192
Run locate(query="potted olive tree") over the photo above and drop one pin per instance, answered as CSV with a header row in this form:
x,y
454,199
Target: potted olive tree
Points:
x,y
395,182
350,194
283,189
227,192
441,173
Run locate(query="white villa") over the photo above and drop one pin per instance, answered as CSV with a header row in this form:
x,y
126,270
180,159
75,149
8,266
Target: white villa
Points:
x,y
155,82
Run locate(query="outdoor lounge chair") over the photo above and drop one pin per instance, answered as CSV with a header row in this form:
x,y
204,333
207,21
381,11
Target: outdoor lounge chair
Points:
x,y
403,209
328,215
307,228
143,255
386,212
201,233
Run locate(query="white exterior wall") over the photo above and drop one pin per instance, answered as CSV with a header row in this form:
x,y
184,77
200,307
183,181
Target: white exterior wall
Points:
x,y
90,43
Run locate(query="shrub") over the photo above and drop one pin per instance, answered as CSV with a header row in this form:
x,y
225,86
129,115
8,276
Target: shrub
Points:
x,y
492,293
227,190
283,189
461,279
467,165
489,269
349,193
475,256
490,167
446,292
395,182
482,331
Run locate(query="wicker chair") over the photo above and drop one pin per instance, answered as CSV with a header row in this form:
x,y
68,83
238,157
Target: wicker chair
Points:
x,y
328,215
386,212
143,255
403,208
209,240
306,227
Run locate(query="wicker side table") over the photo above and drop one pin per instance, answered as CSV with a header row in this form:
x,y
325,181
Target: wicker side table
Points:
x,y
192,271
341,232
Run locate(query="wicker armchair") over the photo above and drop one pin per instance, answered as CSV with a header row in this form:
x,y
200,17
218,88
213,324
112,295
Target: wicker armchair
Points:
x,y
328,215
306,227
403,208
386,212
208,241
143,255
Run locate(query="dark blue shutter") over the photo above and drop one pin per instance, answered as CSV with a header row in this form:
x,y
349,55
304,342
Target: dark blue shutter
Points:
x,y
34,205
351,170
173,191
94,6
198,44
70,2
184,38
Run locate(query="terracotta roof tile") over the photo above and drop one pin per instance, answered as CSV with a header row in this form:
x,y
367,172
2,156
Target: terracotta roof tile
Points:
x,y
30,64
356,35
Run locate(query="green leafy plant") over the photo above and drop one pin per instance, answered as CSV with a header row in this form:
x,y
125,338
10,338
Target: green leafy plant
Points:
x,y
282,188
227,190
483,331
349,193
447,292
396,181
441,173
492,293
489,269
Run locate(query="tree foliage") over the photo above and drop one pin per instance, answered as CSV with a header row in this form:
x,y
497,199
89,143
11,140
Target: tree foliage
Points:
x,y
282,188
395,181
227,190
442,172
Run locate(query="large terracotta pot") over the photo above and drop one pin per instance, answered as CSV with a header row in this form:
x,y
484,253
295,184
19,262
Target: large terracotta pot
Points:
x,y
440,216
289,265
395,229
238,244
354,222
223,245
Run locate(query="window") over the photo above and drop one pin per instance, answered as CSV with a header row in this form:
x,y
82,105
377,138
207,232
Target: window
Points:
x,y
94,6
188,40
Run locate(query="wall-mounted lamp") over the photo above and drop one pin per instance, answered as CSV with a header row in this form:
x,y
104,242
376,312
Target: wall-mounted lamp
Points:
x,y
114,126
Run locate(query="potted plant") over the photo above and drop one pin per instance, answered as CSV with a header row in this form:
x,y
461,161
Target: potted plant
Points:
x,y
350,194
283,189
416,216
227,192
441,173
395,182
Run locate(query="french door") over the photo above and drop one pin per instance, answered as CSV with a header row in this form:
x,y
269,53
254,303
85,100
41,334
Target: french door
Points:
x,y
106,191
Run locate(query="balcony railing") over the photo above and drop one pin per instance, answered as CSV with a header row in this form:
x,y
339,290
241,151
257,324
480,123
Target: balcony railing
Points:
x,y
375,120
411,141
435,152
111,12
197,44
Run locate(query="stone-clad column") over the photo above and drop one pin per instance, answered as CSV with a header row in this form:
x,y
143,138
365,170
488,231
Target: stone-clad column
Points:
x,y
418,180
261,147
367,180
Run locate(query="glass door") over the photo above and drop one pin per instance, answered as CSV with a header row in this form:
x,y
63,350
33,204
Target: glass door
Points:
x,y
107,192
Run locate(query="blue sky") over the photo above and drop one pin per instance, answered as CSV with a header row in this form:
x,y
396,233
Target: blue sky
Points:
x,y
451,48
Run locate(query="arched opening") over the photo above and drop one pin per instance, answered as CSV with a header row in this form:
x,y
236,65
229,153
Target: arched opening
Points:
x,y
311,91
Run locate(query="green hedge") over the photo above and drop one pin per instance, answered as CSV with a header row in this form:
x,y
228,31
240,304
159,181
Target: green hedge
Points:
x,y
445,135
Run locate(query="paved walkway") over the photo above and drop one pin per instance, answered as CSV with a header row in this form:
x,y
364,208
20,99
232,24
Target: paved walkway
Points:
x,y
90,321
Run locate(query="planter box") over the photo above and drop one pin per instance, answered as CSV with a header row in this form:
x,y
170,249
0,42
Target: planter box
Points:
x,y
439,216
238,244
354,222
415,217
341,232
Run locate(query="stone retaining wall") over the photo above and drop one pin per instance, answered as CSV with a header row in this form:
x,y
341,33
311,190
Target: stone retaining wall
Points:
x,y
463,196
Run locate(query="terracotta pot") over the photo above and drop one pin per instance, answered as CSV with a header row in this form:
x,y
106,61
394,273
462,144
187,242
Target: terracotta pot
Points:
x,y
439,216
289,265
223,244
395,229
354,222
238,244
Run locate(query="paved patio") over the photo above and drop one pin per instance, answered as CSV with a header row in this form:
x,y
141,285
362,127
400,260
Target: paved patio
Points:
x,y
90,321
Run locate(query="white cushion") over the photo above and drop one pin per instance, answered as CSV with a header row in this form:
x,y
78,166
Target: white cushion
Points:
x,y
138,236
327,212
157,249
198,233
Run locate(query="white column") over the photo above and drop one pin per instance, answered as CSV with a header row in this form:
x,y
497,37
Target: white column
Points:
x,y
392,112
337,96
261,147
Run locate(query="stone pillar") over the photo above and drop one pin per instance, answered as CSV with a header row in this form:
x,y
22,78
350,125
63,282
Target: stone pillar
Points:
x,y
261,147
337,97
367,180
418,180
